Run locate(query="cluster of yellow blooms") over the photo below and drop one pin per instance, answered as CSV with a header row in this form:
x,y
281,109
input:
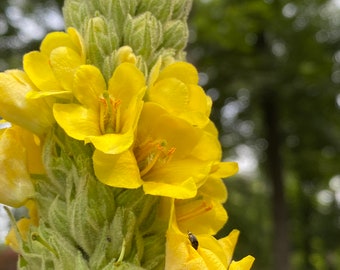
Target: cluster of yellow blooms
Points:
x,y
146,131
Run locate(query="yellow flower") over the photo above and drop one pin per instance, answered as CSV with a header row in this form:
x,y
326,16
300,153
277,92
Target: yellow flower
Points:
x,y
175,88
20,155
34,115
202,251
52,68
23,226
49,71
163,158
106,118
203,214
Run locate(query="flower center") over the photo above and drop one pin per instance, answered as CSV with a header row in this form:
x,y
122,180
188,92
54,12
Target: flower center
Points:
x,y
109,109
152,153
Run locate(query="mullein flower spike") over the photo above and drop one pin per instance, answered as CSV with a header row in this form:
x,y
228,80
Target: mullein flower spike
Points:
x,y
109,145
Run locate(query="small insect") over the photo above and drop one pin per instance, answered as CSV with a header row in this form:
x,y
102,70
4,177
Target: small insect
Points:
x,y
193,240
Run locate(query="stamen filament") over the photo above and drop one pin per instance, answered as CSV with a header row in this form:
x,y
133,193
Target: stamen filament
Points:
x,y
116,115
110,113
150,164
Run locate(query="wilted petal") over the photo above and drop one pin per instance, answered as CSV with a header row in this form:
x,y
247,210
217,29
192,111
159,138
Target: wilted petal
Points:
x,y
34,115
16,184
23,227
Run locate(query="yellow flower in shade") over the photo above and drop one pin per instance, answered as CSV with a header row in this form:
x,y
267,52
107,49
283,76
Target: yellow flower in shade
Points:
x,y
52,68
163,158
175,88
106,117
34,115
203,214
201,251
19,157
23,226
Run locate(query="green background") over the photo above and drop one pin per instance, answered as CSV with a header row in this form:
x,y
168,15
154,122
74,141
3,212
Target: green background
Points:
x,y
272,69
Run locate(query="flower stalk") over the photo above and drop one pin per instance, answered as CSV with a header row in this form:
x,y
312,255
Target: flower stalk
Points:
x,y
123,169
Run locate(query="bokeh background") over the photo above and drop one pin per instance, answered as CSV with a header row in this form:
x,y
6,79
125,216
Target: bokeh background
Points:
x,y
272,68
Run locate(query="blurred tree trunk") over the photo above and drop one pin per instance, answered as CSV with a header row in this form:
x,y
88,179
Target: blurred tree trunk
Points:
x,y
8,259
275,176
305,214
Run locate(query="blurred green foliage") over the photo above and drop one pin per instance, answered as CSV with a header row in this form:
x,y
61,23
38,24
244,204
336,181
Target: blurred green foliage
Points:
x,y
23,24
272,68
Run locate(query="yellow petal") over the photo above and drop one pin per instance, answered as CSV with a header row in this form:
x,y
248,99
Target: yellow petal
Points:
x,y
126,82
208,148
130,116
89,85
34,115
243,264
182,190
112,143
177,91
77,121
202,215
211,259
34,94
15,181
180,255
225,169
155,72
61,39
214,188
198,108
64,62
170,93
34,152
184,173
38,69
176,132
11,239
183,71
228,244
210,243
78,42
117,170
199,101
211,128
32,208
